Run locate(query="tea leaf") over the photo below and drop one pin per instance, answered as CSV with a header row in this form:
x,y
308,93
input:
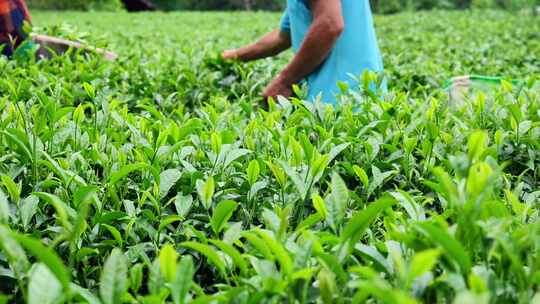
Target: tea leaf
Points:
x,y
222,213
11,187
362,175
422,262
4,209
208,252
233,253
167,179
43,287
125,171
183,204
279,251
184,276
477,145
453,250
253,172
358,224
85,294
206,191
295,178
113,280
319,205
167,262
336,202
47,257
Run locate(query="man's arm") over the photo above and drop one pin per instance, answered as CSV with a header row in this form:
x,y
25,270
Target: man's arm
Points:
x,y
270,44
327,26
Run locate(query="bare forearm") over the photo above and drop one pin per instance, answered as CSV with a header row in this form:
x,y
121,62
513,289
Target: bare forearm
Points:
x,y
271,44
316,47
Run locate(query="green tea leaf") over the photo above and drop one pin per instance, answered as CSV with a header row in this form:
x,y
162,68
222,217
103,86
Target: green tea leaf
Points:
x,y
233,253
209,252
184,277
279,251
215,140
278,173
222,213
183,204
360,222
62,210
115,233
374,255
12,251
85,294
332,263
84,194
167,179
167,262
336,151
362,175
21,141
327,286
296,149
169,220
319,205
422,262
477,144
156,282
320,164
5,212
206,191
253,172
125,171
259,244
336,202
295,178
47,256
43,287
12,187
113,280
234,155
136,277
479,175
452,249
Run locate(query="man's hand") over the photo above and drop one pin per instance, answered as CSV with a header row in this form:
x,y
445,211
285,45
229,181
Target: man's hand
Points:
x,y
278,87
230,54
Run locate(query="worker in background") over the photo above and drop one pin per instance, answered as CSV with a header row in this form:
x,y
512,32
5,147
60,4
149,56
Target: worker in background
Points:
x,y
332,40
13,16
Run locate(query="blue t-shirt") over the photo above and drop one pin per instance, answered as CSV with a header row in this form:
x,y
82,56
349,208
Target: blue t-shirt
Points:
x,y
355,51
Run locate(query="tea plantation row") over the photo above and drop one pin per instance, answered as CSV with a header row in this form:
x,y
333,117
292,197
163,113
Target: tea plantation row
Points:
x,y
156,180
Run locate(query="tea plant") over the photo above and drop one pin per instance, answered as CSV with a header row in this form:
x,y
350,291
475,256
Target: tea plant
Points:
x,y
156,180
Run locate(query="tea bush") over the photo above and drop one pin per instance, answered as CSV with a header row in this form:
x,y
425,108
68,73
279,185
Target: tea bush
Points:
x,y
104,5
156,180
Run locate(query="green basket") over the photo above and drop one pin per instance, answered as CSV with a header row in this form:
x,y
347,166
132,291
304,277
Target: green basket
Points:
x,y
484,81
460,89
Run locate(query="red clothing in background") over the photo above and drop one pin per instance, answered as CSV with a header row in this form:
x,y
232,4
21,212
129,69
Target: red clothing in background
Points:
x,y
13,13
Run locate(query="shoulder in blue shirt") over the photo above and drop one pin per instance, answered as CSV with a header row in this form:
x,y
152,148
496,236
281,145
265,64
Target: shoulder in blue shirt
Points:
x,y
355,51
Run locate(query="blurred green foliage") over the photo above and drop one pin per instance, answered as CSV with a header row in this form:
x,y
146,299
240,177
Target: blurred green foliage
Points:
x,y
379,6
394,6
86,5
219,4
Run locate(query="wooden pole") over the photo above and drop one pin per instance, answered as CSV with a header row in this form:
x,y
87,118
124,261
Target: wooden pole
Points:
x,y
49,46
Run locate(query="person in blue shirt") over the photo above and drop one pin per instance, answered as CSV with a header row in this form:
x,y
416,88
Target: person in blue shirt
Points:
x,y
333,41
